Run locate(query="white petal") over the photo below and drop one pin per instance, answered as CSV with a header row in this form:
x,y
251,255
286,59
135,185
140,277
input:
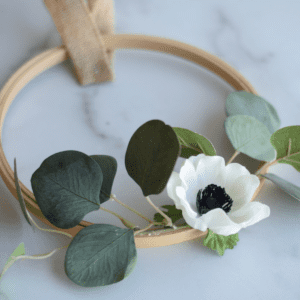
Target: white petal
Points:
x,y
233,172
178,194
184,204
191,196
189,214
188,174
173,182
219,222
242,190
211,170
195,159
250,214
193,222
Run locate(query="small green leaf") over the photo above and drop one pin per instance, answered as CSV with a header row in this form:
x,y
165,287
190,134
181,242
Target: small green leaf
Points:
x,y
151,156
286,141
250,136
171,211
20,197
100,255
66,187
220,242
108,165
193,143
288,187
20,250
244,103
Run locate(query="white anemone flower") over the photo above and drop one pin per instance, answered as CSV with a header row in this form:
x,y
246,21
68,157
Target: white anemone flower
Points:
x,y
212,195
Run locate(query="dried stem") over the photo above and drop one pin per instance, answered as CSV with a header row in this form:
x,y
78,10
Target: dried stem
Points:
x,y
130,208
49,230
37,256
144,229
169,221
235,154
267,165
124,221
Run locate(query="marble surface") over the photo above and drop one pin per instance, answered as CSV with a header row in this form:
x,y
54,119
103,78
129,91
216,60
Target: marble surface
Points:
x,y
54,113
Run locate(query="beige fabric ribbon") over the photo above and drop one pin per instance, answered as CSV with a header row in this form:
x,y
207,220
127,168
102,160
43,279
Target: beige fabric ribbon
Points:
x,y
80,24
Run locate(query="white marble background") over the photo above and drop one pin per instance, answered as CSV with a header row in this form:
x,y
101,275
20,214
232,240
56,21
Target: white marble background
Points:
x,y
54,113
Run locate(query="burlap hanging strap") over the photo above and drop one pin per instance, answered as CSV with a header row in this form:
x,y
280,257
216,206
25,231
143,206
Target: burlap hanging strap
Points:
x,y
80,24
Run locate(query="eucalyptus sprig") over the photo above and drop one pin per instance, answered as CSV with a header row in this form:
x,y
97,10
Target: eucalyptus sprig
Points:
x,y
252,127
70,184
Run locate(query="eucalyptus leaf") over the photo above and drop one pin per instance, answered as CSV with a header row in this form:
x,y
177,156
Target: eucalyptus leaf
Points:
x,y
171,211
244,103
20,250
193,143
151,156
66,187
108,165
286,186
286,141
100,255
250,136
20,197
220,242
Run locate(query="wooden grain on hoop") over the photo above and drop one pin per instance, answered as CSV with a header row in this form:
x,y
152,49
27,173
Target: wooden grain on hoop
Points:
x,y
57,55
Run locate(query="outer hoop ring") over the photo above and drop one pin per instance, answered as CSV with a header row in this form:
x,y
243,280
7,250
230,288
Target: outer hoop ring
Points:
x,y
57,55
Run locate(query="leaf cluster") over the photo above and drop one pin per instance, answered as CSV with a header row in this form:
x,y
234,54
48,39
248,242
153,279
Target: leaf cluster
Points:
x,y
70,184
252,127
67,186
250,122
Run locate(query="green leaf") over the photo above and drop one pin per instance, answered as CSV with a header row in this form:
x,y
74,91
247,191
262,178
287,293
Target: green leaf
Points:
x,y
288,187
220,242
244,103
171,211
250,136
20,250
67,187
100,255
193,143
151,156
286,141
108,165
20,197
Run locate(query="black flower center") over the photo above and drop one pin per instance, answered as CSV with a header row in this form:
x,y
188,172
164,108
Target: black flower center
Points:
x,y
211,197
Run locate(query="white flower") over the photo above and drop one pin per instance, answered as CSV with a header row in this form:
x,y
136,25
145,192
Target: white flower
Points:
x,y
230,186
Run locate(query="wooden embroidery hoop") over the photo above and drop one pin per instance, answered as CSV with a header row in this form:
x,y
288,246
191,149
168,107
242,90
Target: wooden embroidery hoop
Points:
x,y
57,55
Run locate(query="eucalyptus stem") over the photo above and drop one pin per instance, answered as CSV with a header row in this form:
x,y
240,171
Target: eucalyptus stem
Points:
x,y
123,220
169,221
144,229
37,256
130,208
235,154
259,171
49,230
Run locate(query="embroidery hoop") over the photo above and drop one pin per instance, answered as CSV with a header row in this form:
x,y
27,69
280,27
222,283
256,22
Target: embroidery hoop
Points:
x,y
57,55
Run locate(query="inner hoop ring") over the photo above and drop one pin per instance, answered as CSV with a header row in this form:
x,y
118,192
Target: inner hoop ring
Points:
x,y
57,55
